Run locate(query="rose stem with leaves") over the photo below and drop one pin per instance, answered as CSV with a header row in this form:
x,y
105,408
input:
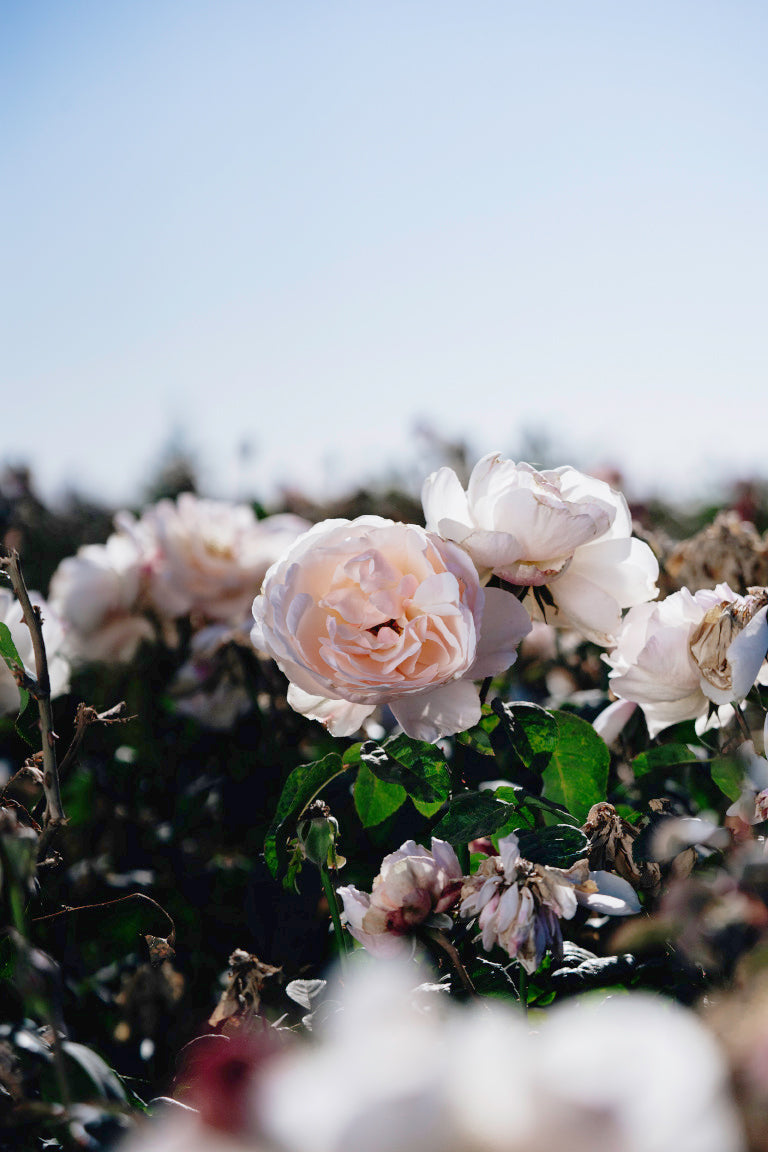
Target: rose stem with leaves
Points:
x,y
54,812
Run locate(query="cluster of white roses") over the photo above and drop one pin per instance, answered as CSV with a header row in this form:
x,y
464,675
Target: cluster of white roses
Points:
x,y
369,612
204,559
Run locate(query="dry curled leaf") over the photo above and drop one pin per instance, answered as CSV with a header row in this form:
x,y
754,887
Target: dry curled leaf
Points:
x,y
160,949
242,995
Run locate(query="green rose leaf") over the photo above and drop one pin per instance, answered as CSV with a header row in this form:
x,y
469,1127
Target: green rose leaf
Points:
x,y
560,845
471,815
663,756
375,800
728,775
533,734
479,737
417,767
577,774
300,788
11,656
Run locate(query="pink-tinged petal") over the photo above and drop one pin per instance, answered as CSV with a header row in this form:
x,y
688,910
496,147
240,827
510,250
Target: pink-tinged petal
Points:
x,y
509,854
505,622
339,716
451,708
614,897
492,551
446,858
613,719
444,499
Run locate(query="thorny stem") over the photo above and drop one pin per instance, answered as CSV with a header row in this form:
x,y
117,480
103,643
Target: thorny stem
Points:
x,y
54,812
484,689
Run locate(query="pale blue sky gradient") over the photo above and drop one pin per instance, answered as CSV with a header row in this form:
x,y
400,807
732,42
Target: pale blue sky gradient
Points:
x,y
308,225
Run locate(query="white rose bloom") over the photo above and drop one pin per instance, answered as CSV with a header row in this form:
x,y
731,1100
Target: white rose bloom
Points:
x,y
560,528
53,637
208,556
97,594
367,612
678,657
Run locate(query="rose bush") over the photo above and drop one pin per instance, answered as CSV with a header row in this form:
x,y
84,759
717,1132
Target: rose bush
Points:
x,y
690,651
559,528
367,612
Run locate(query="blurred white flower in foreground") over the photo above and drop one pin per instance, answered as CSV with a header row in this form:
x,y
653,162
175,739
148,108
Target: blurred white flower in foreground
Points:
x,y
366,612
53,637
683,654
413,885
633,1073
97,592
560,528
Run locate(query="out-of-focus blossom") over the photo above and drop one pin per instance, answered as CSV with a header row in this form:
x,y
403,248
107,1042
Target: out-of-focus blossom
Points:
x,y
752,805
679,656
210,686
519,905
208,557
560,528
627,1074
53,638
97,592
413,885
366,612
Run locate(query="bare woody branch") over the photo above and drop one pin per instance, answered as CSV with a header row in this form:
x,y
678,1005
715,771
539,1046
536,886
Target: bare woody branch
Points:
x,y
54,812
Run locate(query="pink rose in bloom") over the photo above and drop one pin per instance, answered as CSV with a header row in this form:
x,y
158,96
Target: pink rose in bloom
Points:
x,y
414,883
53,637
560,528
97,593
678,657
367,612
208,556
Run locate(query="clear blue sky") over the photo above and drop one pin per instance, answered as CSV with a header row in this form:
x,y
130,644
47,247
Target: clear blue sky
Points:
x,y
308,225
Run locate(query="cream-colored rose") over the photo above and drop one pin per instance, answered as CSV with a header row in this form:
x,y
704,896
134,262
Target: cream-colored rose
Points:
x,y
368,612
208,557
560,528
678,657
53,637
97,593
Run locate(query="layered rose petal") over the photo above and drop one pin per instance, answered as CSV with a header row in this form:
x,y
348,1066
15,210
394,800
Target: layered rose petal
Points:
x,y
560,528
368,612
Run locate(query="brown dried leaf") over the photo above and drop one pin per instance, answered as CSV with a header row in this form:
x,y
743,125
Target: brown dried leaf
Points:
x,y
241,998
